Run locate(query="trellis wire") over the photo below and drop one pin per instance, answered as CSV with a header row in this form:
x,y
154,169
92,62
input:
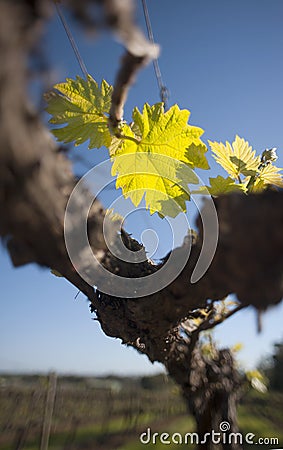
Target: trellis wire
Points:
x,y
163,91
72,40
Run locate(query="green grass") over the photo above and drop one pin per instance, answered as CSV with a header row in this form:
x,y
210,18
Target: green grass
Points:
x,y
88,436
262,415
181,425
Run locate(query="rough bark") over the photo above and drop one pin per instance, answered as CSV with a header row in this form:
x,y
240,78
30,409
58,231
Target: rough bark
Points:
x,y
212,388
36,181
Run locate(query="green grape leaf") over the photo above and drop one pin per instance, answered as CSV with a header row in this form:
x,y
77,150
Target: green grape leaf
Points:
x,y
236,159
153,159
196,155
84,107
220,185
269,175
154,131
161,180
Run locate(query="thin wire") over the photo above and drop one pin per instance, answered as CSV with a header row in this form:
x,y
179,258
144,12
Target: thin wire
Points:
x,y
163,91
72,41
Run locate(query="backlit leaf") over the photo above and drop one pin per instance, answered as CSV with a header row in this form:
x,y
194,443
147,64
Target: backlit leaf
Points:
x,y
160,157
196,155
162,181
220,185
270,175
83,107
236,159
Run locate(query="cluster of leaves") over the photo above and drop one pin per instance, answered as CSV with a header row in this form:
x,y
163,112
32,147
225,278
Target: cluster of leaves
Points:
x,y
154,157
247,171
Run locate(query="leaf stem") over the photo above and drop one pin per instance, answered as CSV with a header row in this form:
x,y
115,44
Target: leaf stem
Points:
x,y
129,138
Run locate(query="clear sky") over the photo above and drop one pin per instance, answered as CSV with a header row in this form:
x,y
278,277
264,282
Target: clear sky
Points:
x,y
222,60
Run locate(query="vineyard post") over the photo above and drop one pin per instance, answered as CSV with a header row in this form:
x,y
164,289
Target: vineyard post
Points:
x,y
49,407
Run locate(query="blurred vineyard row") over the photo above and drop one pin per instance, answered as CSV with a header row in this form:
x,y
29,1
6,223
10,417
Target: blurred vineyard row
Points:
x,y
110,413
93,411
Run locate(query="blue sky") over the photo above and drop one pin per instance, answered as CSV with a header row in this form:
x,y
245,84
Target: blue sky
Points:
x,y
222,60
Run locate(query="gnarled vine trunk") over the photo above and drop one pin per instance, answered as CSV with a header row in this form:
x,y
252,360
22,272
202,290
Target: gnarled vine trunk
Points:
x,y
211,386
212,396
